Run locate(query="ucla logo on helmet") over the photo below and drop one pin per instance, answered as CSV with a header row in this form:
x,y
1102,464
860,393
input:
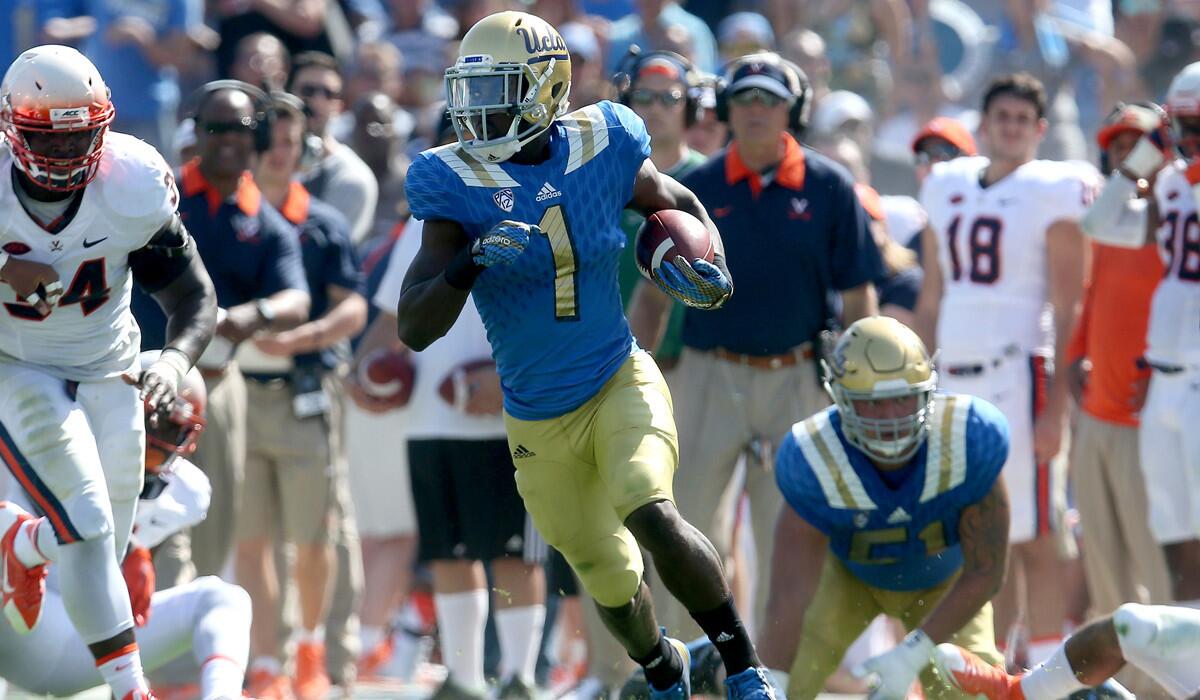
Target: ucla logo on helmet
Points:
x,y
548,41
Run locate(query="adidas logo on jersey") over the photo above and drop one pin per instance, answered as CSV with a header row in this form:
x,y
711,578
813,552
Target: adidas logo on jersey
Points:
x,y
522,452
547,192
899,516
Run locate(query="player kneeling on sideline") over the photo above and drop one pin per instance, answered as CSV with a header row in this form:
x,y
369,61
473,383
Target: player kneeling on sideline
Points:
x,y
896,508
1161,640
207,616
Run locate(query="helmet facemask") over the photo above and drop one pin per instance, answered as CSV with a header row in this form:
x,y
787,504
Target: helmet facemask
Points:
x,y
494,107
61,155
174,436
887,440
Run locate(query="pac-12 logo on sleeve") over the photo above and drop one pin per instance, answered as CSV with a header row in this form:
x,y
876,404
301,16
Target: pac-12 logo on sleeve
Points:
x,y
504,199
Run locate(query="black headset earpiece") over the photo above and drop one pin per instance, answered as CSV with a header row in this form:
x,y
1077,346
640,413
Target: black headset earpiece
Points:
x,y
797,82
631,64
264,113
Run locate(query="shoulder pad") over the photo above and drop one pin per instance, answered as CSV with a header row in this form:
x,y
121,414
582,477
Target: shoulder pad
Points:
x,y
587,133
472,172
827,458
946,445
135,182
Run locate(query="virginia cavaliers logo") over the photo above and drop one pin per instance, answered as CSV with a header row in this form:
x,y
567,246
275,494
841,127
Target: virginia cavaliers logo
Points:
x,y
503,199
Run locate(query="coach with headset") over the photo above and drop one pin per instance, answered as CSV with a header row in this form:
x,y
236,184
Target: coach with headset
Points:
x,y
253,256
796,239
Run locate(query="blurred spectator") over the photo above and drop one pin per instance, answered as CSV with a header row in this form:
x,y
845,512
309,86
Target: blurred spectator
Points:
x,y
422,31
806,49
865,42
262,60
140,47
291,472
21,23
744,32
339,177
649,29
842,113
377,66
253,256
300,24
747,371
588,81
900,283
707,134
381,144
940,139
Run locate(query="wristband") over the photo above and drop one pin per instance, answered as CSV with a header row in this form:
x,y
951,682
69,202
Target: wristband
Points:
x,y
177,361
462,271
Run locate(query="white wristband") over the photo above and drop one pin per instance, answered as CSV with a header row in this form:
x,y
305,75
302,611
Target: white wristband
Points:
x,y
1144,160
176,362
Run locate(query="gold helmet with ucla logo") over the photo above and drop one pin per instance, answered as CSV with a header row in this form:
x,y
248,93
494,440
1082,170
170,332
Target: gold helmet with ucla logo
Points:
x,y
879,359
510,82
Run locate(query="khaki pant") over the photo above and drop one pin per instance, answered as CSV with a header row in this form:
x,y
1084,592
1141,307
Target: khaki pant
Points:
x,y
1122,561
221,455
723,411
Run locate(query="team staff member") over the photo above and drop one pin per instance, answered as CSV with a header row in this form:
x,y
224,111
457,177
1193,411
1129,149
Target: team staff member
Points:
x,y
797,233
292,475
253,256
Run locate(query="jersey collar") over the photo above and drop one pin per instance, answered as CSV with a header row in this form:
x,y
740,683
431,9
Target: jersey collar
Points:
x,y
789,173
247,198
295,204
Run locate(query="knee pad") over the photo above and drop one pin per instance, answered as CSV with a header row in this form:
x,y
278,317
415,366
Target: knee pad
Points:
x,y
610,570
218,593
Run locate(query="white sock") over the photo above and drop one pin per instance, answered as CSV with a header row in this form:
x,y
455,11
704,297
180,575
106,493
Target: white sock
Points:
x,y
461,619
520,633
122,671
369,637
35,543
313,636
1053,679
1042,649
221,677
1163,641
270,664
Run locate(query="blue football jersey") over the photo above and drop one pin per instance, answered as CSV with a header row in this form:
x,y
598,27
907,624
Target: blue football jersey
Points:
x,y
903,538
554,316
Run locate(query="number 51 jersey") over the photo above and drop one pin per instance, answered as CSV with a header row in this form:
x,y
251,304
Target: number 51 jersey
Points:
x,y
90,333
992,251
553,316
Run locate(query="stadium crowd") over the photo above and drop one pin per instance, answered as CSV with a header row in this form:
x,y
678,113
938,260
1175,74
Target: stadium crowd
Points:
x,y
379,529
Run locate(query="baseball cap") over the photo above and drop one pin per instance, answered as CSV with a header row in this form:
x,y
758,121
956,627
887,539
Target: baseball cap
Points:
x,y
740,26
1142,118
947,129
580,40
763,74
839,107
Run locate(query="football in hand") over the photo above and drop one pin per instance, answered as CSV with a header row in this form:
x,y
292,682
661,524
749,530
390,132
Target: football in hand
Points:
x,y
667,234
387,375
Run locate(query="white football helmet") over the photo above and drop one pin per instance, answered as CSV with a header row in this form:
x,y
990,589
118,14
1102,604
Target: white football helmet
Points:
x,y
1183,102
54,111
509,84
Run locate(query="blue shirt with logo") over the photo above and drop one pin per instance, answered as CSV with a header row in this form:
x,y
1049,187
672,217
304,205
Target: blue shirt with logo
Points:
x,y
900,536
554,316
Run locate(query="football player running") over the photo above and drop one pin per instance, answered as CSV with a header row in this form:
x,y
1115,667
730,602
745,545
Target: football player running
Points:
x,y
523,213
1169,444
1161,640
86,211
207,617
894,506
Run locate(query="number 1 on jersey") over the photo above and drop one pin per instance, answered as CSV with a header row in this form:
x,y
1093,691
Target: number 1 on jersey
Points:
x,y
566,263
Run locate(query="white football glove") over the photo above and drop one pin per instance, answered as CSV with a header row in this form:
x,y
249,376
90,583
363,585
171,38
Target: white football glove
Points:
x,y
893,672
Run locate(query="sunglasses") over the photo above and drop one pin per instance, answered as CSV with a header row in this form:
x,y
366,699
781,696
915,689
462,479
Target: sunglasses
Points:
x,y
244,125
936,151
314,90
645,97
756,95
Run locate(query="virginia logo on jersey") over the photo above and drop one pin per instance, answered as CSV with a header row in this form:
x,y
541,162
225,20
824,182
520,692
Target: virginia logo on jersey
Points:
x,y
547,192
504,199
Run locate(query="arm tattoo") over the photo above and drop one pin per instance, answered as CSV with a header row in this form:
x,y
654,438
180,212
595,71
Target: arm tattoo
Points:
x,y
983,533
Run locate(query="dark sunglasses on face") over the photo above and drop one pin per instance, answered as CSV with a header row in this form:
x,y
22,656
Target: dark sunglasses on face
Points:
x,y
936,152
753,95
667,98
243,125
314,90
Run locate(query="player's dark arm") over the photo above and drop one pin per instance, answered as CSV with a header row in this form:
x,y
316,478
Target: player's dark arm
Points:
x,y
983,536
170,270
653,190
436,285
929,301
796,562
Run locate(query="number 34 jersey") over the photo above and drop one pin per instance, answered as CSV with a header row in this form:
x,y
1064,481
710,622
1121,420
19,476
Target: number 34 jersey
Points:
x,y
992,250
90,333
901,534
554,316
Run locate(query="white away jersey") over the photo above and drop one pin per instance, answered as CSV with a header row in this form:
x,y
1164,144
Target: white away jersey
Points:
x,y
992,250
1173,336
90,334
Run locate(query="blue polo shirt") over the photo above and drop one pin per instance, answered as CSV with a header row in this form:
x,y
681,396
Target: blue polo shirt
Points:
x,y
248,248
329,259
791,240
